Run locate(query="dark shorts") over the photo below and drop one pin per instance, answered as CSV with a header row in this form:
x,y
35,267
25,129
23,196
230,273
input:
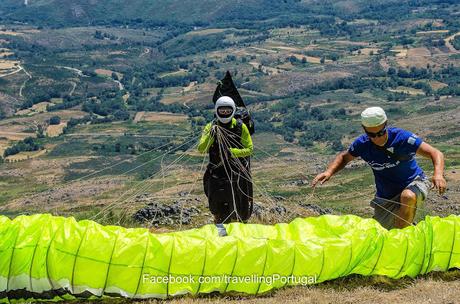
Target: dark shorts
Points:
x,y
385,210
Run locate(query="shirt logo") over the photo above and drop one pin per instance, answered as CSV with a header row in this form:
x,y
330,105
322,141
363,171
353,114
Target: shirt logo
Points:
x,y
411,140
379,167
391,149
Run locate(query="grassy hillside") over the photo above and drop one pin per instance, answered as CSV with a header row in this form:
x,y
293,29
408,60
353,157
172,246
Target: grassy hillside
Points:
x,y
102,103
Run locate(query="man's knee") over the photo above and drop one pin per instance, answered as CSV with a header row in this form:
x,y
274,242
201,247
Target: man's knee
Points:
x,y
408,197
408,203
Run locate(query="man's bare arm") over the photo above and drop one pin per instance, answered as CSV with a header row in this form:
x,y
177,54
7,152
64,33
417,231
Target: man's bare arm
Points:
x,y
340,161
436,156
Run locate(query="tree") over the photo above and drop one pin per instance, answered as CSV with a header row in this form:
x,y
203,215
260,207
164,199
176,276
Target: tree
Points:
x,y
55,120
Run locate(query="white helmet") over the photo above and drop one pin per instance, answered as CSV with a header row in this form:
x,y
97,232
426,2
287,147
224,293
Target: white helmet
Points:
x,y
225,109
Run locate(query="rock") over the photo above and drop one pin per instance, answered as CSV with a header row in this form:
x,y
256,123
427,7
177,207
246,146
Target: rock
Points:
x,y
183,193
315,208
258,210
160,214
280,210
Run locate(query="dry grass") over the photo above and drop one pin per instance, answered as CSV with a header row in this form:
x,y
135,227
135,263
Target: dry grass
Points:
x,y
4,144
108,73
7,65
265,69
407,90
361,290
418,57
63,197
264,51
190,86
179,72
56,130
28,120
437,85
368,51
435,32
285,48
35,109
449,45
436,123
162,117
205,32
400,53
138,116
347,42
15,136
10,33
25,156
309,59
118,53
5,52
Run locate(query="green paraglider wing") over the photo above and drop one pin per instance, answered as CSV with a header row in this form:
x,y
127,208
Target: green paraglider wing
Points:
x,y
54,258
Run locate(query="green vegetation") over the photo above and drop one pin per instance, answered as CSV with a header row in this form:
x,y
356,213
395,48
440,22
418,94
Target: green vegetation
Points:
x,y
456,42
55,120
27,145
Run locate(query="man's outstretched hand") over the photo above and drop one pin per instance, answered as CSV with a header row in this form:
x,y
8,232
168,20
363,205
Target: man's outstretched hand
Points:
x,y
439,183
321,178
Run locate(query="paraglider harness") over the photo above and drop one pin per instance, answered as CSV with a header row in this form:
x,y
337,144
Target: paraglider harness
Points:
x,y
229,190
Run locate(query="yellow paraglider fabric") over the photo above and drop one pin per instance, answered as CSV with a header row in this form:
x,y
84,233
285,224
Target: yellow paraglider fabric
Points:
x,y
51,258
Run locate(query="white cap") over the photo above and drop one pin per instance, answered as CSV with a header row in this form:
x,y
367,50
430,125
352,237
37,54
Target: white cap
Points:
x,y
373,117
225,101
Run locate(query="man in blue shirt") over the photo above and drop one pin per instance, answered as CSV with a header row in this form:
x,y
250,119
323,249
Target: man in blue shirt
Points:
x,y
401,184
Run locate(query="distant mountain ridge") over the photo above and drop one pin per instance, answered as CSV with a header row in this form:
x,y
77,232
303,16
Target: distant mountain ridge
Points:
x,y
201,12
179,11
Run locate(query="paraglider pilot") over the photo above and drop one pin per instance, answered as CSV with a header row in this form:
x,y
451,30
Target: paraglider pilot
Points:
x,y
227,180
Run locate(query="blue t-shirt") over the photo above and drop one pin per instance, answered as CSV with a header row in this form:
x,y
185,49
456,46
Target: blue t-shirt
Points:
x,y
391,175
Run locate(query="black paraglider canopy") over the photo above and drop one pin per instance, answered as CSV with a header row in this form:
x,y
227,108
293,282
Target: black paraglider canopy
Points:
x,y
226,87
